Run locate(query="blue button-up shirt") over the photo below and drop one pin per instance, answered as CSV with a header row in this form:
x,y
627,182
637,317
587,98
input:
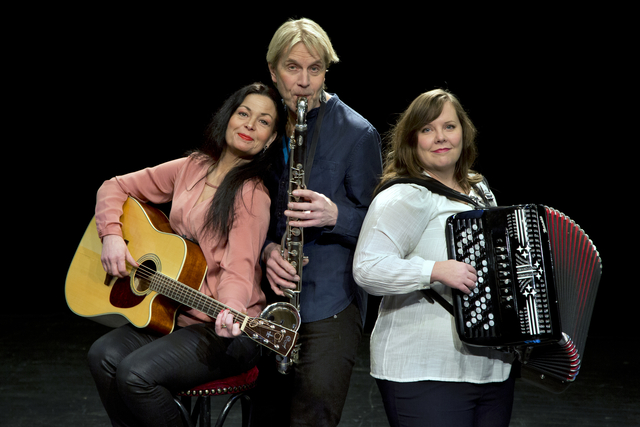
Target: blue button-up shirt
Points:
x,y
346,167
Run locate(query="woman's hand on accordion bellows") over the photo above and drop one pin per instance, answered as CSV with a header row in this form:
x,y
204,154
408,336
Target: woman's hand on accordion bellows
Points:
x,y
279,272
455,274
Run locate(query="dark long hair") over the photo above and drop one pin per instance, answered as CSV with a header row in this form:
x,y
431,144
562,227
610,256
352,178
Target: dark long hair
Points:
x,y
221,214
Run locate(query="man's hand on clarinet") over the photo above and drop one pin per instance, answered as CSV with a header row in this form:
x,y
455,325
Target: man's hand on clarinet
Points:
x,y
316,211
279,272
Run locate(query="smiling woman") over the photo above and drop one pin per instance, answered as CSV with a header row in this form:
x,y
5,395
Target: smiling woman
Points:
x,y
251,128
440,145
435,380
218,200
434,135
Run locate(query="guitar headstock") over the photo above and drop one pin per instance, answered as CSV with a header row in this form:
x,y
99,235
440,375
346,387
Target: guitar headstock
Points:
x,y
275,337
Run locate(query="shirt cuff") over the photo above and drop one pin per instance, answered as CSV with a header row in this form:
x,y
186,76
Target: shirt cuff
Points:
x,y
425,275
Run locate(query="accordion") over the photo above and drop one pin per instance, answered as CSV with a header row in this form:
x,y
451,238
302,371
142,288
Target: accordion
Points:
x,y
538,274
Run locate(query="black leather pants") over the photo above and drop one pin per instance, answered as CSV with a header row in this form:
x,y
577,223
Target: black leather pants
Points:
x,y
137,373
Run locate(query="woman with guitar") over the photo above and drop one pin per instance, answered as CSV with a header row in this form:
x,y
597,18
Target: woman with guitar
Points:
x,y
219,202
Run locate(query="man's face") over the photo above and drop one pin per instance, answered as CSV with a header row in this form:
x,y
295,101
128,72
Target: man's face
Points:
x,y
299,74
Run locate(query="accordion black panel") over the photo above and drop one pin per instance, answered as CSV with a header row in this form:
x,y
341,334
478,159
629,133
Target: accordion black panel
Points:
x,y
538,274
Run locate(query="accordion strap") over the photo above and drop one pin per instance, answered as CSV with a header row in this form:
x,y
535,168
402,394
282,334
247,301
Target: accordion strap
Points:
x,y
434,186
439,188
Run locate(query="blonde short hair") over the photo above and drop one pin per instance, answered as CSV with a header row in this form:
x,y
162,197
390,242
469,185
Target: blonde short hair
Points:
x,y
302,30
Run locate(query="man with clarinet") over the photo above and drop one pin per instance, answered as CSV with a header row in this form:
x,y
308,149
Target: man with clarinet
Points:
x,y
342,166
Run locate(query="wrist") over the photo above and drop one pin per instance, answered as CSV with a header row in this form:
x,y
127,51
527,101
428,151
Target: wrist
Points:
x,y
266,253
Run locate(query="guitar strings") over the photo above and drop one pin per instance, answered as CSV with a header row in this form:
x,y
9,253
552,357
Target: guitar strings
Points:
x,y
256,332
178,288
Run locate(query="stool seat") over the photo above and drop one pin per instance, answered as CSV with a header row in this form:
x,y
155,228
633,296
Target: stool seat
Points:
x,y
230,385
236,386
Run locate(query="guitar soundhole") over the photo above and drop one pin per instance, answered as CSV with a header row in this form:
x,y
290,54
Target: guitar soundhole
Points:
x,y
143,276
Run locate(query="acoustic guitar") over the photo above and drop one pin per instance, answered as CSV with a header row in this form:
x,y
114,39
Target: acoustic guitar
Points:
x,y
170,273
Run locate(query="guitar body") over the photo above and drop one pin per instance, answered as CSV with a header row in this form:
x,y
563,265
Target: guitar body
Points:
x,y
170,273
90,292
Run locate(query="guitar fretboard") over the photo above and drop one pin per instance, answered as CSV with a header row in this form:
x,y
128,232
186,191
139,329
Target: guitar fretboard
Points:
x,y
190,297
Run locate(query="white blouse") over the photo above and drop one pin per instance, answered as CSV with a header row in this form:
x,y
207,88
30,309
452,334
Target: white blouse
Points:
x,y
402,237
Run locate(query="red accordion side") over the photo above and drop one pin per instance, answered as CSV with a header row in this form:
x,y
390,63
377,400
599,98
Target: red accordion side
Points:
x,y
538,278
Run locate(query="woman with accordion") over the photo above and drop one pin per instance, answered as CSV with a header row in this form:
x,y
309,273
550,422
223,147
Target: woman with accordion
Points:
x,y
426,375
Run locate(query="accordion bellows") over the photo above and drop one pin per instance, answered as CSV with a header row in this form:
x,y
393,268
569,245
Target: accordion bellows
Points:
x,y
538,274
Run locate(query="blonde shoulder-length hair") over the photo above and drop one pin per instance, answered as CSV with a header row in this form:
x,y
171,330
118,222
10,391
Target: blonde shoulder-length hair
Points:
x,y
402,160
303,31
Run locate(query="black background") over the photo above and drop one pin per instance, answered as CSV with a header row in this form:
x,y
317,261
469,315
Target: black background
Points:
x,y
104,91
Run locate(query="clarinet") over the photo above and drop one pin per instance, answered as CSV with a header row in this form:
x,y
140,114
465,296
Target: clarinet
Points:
x,y
293,239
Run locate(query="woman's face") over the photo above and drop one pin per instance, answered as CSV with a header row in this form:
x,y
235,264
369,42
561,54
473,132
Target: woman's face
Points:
x,y
440,142
251,127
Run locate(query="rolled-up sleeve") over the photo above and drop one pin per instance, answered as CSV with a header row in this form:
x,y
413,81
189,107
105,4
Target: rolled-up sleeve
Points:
x,y
154,184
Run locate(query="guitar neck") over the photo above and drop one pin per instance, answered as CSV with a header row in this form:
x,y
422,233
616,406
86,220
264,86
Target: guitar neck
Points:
x,y
190,297
275,337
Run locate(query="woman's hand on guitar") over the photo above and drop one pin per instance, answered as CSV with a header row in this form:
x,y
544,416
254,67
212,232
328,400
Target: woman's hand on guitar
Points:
x,y
116,255
225,325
